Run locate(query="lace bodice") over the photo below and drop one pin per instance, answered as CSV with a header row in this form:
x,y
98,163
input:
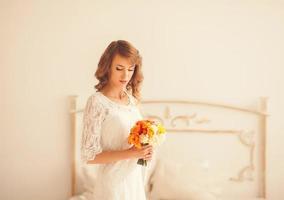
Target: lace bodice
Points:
x,y
103,115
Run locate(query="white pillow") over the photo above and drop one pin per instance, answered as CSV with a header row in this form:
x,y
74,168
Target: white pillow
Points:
x,y
173,180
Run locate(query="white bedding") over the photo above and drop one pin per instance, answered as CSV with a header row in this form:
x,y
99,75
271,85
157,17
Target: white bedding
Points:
x,y
171,181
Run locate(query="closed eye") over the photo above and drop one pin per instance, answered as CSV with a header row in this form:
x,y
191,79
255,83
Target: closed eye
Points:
x,y
119,69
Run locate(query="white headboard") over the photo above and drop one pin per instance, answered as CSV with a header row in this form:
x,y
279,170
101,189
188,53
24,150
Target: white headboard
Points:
x,y
227,141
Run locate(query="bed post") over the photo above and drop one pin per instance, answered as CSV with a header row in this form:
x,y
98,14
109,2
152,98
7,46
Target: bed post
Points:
x,y
263,124
73,108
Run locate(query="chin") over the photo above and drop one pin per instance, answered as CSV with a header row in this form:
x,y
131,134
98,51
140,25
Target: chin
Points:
x,y
121,85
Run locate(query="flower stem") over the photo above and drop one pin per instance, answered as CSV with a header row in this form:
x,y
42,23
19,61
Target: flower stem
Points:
x,y
142,162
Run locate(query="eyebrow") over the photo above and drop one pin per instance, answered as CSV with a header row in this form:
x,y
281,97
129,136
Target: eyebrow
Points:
x,y
124,66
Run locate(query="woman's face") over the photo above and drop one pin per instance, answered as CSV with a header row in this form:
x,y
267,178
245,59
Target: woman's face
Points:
x,y
121,71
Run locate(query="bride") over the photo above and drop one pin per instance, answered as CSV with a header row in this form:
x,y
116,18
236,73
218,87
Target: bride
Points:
x,y
109,114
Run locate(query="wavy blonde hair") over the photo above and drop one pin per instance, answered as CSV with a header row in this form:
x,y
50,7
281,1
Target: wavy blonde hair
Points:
x,y
126,50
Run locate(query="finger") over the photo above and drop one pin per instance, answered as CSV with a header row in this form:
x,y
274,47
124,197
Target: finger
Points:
x,y
145,153
148,158
149,149
146,147
150,152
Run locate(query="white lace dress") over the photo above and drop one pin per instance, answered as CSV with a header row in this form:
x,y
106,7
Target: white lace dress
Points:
x,y
106,127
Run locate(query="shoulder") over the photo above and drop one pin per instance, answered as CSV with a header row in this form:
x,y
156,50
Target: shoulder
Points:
x,y
94,100
95,107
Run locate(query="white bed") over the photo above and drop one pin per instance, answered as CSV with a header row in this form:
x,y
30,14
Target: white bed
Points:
x,y
212,151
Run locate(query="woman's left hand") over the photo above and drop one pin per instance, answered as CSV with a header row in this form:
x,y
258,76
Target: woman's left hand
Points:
x,y
149,156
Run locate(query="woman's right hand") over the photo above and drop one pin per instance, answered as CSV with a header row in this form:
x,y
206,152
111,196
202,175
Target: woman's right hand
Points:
x,y
145,152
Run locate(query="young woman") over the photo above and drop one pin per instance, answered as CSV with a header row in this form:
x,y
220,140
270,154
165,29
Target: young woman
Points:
x,y
108,117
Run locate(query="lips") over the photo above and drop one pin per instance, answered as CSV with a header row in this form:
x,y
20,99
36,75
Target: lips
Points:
x,y
122,81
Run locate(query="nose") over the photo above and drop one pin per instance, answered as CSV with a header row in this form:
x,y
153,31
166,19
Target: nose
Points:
x,y
125,74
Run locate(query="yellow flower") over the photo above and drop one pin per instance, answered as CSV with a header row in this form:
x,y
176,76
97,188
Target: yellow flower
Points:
x,y
161,129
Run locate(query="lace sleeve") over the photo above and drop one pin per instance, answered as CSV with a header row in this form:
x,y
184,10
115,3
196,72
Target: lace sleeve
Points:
x,y
94,115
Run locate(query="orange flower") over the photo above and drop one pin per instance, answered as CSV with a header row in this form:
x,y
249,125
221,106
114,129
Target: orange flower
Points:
x,y
145,132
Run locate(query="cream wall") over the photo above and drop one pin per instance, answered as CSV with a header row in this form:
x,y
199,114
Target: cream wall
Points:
x,y
226,51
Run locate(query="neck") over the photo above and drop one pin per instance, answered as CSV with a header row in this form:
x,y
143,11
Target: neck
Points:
x,y
115,92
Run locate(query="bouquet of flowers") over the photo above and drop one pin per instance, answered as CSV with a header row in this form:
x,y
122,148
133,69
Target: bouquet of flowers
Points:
x,y
146,132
